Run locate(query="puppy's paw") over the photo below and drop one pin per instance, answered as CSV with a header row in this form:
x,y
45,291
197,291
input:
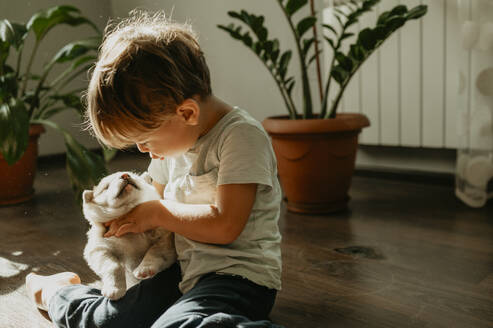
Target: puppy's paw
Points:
x,y
145,272
112,292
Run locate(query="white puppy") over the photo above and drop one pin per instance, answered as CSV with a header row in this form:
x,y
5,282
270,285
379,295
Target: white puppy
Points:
x,y
121,262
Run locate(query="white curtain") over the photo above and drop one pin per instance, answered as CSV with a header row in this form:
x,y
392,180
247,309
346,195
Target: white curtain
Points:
x,y
474,170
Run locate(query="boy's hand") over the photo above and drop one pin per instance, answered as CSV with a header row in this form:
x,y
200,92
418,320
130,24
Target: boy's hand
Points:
x,y
142,218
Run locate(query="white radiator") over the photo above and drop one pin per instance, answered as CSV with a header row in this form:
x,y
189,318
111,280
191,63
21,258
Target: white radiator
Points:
x,y
408,88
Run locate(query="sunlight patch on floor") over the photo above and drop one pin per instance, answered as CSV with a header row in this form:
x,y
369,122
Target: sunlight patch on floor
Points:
x,y
10,268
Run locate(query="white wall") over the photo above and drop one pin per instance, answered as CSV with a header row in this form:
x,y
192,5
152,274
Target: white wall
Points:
x,y
237,75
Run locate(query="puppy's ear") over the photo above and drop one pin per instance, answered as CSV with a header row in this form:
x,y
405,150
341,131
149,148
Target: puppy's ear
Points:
x,y
87,196
147,178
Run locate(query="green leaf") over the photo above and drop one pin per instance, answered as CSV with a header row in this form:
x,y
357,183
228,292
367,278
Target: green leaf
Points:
x,y
307,43
367,39
245,17
234,14
357,53
14,130
380,33
345,36
232,31
294,5
284,63
76,49
394,23
399,10
12,33
305,24
257,48
330,28
247,39
417,12
275,50
339,19
331,42
339,74
383,17
6,31
253,21
8,84
351,21
43,21
339,11
345,62
4,53
368,4
268,46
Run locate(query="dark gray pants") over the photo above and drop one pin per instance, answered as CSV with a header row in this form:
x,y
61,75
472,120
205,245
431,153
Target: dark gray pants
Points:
x,y
215,301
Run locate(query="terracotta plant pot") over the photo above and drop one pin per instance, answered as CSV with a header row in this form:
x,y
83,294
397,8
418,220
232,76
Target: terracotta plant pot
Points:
x,y
316,159
17,180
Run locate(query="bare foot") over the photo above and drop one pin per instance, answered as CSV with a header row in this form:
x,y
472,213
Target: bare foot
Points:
x,y
40,289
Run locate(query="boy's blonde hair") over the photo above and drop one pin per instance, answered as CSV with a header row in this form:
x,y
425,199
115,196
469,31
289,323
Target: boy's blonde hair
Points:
x,y
147,66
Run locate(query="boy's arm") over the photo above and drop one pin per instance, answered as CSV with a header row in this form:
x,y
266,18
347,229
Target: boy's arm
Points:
x,y
159,188
219,223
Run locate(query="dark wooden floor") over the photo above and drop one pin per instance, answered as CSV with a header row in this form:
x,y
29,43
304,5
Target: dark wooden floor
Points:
x,y
406,255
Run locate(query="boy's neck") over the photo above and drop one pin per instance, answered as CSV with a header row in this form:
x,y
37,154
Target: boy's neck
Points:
x,y
212,109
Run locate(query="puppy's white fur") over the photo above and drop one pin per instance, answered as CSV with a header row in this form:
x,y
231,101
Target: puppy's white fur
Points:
x,y
121,262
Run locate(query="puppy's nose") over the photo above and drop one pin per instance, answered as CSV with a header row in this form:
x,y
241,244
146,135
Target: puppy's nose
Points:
x,y
125,176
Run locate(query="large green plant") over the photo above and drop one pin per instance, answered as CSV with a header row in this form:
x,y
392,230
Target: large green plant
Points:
x,y
342,67
26,97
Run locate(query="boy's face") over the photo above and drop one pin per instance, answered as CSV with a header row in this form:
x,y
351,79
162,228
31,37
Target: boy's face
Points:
x,y
174,137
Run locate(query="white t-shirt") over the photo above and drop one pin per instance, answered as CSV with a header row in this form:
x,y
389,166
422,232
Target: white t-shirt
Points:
x,y
236,150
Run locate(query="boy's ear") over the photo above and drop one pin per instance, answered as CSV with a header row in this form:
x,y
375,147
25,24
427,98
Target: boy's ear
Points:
x,y
87,196
189,111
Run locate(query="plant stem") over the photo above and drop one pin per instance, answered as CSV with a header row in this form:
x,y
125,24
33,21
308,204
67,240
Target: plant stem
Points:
x,y
307,96
325,100
317,58
332,113
28,68
18,65
285,95
329,78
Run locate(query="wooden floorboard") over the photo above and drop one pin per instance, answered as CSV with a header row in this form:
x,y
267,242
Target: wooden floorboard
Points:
x,y
406,254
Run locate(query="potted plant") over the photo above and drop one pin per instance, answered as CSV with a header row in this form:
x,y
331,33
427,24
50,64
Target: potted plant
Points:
x,y
316,152
29,100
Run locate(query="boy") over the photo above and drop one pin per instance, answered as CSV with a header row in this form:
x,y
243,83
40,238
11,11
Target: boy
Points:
x,y
214,166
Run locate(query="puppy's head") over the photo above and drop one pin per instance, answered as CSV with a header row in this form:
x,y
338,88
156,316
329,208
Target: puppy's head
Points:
x,y
117,194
